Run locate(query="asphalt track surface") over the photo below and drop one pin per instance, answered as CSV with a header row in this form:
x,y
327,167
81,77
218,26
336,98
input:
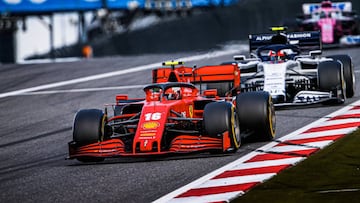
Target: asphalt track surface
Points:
x,y
36,128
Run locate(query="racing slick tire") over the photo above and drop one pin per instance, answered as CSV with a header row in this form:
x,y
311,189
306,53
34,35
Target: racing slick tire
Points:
x,y
219,117
89,126
331,79
256,114
349,76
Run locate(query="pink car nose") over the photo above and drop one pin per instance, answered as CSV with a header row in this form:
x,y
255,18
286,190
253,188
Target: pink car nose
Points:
x,y
327,29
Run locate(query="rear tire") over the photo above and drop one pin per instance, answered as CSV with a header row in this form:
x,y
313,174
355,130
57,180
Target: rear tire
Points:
x,y
220,117
349,76
257,114
89,125
331,79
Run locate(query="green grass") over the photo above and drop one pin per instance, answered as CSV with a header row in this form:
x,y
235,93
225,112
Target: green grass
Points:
x,y
337,167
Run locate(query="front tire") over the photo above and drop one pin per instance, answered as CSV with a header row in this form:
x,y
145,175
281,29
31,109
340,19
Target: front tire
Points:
x,y
349,76
219,117
89,126
257,114
331,79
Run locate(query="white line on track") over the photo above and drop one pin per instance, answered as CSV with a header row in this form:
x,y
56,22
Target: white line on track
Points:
x,y
341,131
260,164
309,145
207,198
339,121
235,180
83,90
122,72
341,190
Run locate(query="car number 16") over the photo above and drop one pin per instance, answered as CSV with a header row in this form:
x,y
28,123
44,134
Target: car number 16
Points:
x,y
153,116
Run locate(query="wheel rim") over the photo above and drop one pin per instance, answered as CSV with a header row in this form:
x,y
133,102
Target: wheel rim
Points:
x,y
102,130
236,137
272,119
343,89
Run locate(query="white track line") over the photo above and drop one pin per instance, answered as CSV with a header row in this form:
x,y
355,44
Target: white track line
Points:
x,y
57,60
235,180
339,121
260,164
341,131
120,72
83,90
341,190
309,145
207,198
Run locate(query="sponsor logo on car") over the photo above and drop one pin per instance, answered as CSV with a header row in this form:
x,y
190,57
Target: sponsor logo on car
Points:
x,y
299,35
150,125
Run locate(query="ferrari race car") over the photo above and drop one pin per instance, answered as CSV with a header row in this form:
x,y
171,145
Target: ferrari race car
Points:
x,y
335,20
173,118
279,66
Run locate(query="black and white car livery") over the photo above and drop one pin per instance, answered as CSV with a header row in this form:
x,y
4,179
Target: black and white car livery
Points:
x,y
279,66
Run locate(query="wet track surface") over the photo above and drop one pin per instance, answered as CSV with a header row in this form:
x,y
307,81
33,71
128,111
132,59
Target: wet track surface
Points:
x,y
35,130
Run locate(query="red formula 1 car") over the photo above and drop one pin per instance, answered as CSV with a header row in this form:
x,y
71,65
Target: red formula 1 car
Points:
x,y
334,19
172,118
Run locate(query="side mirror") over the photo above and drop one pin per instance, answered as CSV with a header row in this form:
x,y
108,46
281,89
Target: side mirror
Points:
x,y
315,53
239,57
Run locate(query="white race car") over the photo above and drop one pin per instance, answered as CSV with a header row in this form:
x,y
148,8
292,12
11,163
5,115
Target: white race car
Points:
x,y
277,65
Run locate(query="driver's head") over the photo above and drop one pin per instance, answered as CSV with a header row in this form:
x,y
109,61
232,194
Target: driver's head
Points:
x,y
272,55
281,55
277,56
172,94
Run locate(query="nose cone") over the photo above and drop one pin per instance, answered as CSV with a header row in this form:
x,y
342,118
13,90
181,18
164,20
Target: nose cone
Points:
x,y
151,128
327,30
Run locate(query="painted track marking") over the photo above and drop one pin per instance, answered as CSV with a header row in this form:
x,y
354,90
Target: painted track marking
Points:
x,y
120,72
82,90
235,178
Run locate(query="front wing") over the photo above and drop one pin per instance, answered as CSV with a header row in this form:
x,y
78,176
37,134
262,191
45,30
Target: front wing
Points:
x,y
116,147
307,98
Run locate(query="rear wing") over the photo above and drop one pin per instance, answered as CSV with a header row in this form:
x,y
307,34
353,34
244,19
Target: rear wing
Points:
x,y
208,76
305,40
309,8
217,73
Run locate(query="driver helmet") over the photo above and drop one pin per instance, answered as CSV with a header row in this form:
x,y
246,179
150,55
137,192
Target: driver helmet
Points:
x,y
272,55
326,4
172,94
277,56
281,55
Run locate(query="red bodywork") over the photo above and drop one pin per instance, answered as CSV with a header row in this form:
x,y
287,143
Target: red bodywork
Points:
x,y
204,74
159,124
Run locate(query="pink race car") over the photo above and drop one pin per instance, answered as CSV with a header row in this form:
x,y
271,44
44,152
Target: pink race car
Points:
x,y
334,20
